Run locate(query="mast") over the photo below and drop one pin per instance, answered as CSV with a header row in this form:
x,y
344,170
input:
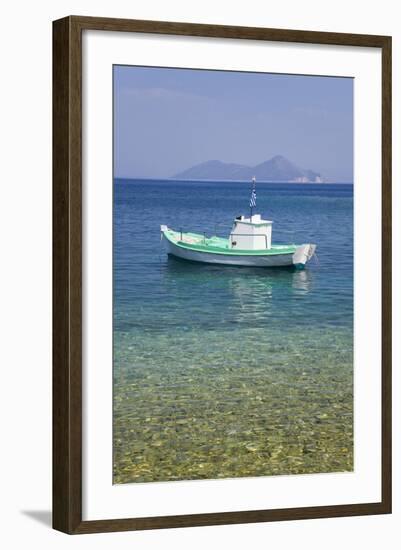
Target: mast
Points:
x,y
252,202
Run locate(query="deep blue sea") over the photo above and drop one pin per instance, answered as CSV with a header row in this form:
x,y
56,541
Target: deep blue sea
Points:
x,y
231,371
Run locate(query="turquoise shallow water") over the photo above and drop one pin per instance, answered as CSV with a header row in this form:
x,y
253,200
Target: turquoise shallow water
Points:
x,y
228,372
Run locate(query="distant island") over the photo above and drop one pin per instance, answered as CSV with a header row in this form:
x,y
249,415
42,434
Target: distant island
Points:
x,y
277,169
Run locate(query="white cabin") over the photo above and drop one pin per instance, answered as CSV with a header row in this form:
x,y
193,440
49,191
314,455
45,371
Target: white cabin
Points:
x,y
251,233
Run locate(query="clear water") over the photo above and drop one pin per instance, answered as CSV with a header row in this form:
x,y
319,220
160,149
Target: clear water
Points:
x,y
227,371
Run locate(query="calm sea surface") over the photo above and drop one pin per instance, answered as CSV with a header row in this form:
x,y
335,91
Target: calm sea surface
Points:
x,y
229,371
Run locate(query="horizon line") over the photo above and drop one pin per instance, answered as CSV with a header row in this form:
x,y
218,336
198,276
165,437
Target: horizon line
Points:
x,y
141,178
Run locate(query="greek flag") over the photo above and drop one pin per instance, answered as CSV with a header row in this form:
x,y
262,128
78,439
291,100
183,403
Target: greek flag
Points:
x,y
252,202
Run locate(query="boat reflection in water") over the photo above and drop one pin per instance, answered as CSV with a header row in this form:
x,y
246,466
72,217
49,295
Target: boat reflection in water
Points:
x,y
246,295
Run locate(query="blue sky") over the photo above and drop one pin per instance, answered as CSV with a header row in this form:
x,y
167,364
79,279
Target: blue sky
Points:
x,y
167,120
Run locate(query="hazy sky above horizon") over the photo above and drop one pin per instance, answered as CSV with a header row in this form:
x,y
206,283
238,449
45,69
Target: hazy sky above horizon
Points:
x,y
167,120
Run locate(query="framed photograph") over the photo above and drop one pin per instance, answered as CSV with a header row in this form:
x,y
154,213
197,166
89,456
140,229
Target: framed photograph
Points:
x,y
222,274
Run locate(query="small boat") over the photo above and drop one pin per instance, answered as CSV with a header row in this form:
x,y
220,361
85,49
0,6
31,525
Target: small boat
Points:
x,y
248,244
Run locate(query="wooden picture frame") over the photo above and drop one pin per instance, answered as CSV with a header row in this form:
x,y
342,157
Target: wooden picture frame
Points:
x,y
67,273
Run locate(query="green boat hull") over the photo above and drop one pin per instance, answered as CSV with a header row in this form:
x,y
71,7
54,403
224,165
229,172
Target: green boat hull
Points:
x,y
215,250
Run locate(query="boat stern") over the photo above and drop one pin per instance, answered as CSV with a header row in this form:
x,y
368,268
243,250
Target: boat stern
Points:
x,y
303,254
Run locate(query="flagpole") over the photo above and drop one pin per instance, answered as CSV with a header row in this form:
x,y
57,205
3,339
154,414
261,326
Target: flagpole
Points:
x,y
252,193
250,203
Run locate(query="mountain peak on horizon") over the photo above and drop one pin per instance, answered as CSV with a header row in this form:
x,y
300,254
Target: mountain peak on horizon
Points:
x,y
276,169
278,158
